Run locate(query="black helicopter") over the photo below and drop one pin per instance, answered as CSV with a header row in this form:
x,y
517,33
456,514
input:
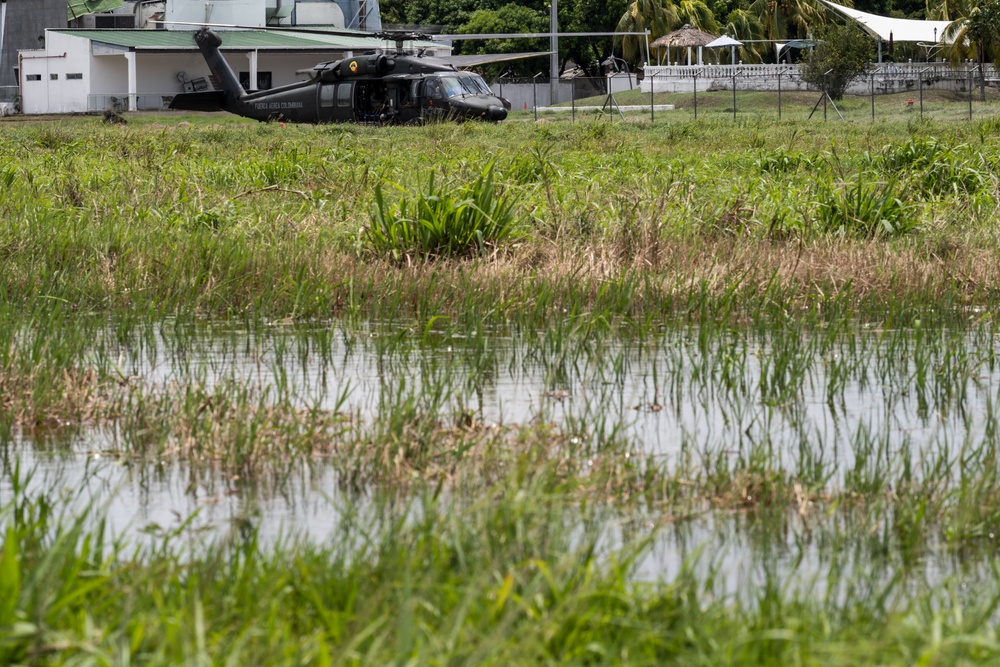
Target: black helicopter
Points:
x,y
376,89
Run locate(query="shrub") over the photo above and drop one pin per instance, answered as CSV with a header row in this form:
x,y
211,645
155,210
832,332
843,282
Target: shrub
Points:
x,y
447,220
867,208
935,167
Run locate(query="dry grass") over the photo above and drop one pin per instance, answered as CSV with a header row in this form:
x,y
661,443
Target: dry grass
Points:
x,y
804,270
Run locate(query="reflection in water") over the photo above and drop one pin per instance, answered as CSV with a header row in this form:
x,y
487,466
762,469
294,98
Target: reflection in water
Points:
x,y
822,404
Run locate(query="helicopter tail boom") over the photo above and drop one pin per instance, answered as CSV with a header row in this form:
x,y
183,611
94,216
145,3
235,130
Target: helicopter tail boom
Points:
x,y
209,100
209,43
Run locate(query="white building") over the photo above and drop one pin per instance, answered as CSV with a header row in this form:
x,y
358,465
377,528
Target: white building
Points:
x,y
94,70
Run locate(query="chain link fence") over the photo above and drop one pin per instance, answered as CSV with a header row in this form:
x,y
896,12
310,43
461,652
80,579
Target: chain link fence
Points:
x,y
890,90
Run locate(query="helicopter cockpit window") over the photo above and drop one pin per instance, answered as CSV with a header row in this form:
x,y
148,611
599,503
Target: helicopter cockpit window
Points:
x,y
452,86
466,84
434,89
481,86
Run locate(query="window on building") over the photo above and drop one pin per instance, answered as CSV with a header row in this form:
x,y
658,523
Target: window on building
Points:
x,y
53,77
33,77
75,75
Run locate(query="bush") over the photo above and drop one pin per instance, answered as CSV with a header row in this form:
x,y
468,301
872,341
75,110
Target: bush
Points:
x,y
866,208
845,50
447,220
936,168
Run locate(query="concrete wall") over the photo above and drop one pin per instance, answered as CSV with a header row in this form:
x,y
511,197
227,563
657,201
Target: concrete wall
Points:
x,y
886,78
523,94
24,28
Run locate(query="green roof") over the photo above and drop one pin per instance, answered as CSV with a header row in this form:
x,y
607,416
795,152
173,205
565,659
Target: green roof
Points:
x,y
77,8
231,39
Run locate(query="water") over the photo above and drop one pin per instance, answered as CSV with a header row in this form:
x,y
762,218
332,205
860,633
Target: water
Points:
x,y
805,400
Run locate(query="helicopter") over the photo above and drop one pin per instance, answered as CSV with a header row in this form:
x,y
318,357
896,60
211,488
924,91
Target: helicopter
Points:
x,y
374,89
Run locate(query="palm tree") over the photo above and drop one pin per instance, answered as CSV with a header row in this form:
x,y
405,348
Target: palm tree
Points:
x,y
696,14
660,17
642,15
947,10
786,19
979,32
744,25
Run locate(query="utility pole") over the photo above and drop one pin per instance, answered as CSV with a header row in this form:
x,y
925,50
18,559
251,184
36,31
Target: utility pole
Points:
x,y
554,48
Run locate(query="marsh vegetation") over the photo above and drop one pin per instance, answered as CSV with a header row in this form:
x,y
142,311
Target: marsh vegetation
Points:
x,y
592,393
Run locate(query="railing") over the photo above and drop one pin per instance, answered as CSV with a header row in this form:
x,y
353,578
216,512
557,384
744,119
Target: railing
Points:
x,y
719,71
119,102
908,70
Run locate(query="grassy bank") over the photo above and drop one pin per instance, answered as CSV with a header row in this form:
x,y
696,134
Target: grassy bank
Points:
x,y
164,216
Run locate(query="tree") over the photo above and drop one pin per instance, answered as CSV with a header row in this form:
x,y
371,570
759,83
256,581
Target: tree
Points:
x,y
654,15
787,19
845,52
979,32
588,16
745,26
660,17
510,18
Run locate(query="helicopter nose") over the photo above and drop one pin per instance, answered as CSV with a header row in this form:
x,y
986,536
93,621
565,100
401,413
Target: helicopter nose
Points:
x,y
496,113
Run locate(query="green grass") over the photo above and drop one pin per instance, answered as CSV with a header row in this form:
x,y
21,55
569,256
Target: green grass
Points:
x,y
243,221
736,271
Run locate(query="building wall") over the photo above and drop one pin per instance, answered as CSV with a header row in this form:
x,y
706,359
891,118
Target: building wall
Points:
x,y
239,12
24,28
53,91
158,72
103,81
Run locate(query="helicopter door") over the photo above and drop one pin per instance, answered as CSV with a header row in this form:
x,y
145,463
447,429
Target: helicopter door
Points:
x,y
326,97
345,101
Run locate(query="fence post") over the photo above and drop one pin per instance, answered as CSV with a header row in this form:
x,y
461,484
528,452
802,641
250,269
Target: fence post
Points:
x,y
534,92
652,109
572,95
970,92
734,93
695,88
780,72
871,84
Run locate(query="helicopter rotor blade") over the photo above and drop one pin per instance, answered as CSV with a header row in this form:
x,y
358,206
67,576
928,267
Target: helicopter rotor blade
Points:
x,y
490,58
530,35
385,35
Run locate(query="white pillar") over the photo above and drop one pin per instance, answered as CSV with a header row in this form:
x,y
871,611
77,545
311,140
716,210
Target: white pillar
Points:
x,y
132,81
252,56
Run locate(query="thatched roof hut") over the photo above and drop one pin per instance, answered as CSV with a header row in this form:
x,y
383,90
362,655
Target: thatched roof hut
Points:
x,y
686,37
683,38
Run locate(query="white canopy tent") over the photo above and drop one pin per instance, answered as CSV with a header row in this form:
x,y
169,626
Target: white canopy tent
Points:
x,y
885,28
725,40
